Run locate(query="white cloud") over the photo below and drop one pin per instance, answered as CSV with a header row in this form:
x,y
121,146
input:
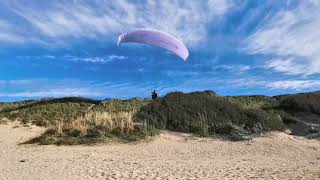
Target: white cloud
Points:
x,y
41,57
306,84
69,19
293,84
16,82
7,33
292,37
117,57
100,60
90,60
288,66
245,82
63,92
180,73
219,7
237,69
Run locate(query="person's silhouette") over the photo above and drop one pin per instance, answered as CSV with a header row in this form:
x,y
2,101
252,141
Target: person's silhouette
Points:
x,y
154,94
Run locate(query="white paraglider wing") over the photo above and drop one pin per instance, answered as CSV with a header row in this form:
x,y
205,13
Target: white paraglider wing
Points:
x,y
155,38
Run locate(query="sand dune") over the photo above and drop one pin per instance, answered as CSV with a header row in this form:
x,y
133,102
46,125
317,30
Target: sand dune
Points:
x,y
169,156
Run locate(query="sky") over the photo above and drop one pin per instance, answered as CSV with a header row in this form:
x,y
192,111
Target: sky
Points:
x,y
237,47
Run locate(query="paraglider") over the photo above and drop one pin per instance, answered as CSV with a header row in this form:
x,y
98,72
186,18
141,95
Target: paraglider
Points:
x,y
155,38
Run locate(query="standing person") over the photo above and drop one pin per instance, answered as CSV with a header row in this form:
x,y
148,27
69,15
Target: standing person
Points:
x,y
154,94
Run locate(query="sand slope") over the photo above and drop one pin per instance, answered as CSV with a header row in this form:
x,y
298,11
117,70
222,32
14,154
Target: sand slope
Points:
x,y
169,156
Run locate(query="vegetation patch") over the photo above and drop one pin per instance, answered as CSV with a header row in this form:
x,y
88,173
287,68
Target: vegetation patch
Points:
x,y
46,112
309,102
76,120
95,127
116,106
254,102
206,114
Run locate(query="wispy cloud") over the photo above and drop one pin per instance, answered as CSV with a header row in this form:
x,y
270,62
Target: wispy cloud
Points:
x,y
294,84
16,82
289,66
278,84
236,69
62,92
99,60
291,36
8,33
41,57
77,19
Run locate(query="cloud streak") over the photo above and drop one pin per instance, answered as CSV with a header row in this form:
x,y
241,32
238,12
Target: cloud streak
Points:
x,y
96,60
62,20
294,84
8,33
63,92
291,36
277,84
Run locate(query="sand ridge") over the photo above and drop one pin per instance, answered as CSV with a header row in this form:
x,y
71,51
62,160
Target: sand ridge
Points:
x,y
169,156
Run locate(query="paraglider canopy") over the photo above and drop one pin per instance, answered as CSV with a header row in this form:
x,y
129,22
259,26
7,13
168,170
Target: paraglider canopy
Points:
x,y
155,38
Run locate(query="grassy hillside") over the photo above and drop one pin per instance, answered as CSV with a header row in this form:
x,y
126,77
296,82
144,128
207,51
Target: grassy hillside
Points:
x,y
46,112
307,102
81,120
255,102
115,106
208,115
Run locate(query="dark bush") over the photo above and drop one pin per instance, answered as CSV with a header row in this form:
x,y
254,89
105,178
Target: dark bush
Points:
x,y
301,102
206,114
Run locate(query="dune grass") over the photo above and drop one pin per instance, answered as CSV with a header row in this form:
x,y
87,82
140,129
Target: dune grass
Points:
x,y
85,121
80,120
115,105
208,115
95,127
46,112
254,102
308,102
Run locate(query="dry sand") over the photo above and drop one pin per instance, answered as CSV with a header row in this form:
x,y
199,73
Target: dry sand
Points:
x,y
169,156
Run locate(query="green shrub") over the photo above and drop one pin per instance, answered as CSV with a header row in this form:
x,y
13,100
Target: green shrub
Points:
x,y
95,127
301,102
206,114
115,106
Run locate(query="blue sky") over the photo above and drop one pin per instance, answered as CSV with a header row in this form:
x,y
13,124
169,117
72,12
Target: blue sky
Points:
x,y
237,47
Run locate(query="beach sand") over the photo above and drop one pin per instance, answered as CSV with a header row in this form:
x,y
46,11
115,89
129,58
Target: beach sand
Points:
x,y
168,156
